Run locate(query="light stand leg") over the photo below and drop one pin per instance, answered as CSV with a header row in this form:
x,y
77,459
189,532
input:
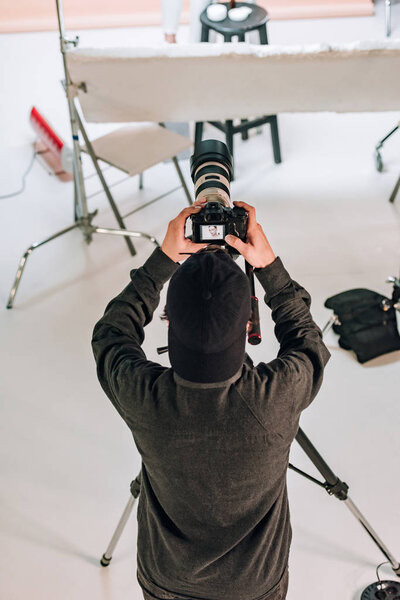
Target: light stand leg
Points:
x,y
135,491
334,486
76,203
182,180
126,233
29,251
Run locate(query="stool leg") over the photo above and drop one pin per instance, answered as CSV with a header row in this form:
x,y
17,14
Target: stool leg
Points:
x,y
204,33
229,139
227,37
198,133
275,139
245,133
263,34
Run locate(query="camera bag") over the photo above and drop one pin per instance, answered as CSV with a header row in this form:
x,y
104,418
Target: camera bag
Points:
x,y
364,326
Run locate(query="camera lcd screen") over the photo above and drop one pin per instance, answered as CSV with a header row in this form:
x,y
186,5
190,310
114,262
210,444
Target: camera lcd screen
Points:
x,y
208,233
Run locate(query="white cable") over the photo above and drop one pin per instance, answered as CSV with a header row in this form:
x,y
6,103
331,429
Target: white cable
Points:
x,y
23,179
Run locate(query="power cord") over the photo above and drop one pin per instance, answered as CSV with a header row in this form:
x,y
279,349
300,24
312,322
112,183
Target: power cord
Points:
x,y
23,179
377,570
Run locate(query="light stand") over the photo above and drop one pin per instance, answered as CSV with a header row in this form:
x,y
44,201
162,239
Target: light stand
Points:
x,y
82,217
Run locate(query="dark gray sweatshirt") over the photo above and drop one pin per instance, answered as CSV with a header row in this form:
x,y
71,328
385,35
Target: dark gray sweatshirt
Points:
x,y
213,517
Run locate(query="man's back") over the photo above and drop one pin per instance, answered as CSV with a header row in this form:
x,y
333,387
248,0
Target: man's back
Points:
x,y
213,510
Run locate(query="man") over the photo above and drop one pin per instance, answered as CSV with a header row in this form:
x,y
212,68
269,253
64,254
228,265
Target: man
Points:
x,y
213,431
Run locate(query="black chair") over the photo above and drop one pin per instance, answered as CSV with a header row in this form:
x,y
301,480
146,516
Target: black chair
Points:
x,y
256,21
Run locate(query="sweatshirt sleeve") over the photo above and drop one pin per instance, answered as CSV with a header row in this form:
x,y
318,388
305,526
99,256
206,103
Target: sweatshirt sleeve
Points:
x,y
118,335
295,376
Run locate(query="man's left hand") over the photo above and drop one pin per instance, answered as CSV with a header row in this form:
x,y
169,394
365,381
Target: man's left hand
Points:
x,y
175,244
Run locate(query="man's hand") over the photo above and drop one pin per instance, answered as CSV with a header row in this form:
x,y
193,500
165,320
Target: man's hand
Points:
x,y
175,244
256,250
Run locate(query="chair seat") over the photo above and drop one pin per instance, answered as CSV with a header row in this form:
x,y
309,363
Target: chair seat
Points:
x,y
135,148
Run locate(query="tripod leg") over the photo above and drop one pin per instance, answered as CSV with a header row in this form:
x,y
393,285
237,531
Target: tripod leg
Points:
x,y
182,180
372,533
334,486
107,556
24,258
135,491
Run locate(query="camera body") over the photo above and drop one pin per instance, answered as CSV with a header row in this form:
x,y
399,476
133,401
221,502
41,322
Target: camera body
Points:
x,y
211,170
215,221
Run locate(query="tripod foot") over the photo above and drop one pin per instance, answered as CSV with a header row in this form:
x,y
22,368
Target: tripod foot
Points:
x,y
104,561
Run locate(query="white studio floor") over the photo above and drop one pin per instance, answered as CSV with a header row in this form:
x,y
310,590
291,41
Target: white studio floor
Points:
x,y
66,457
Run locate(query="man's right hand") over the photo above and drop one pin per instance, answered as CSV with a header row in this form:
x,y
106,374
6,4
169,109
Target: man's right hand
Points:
x,y
257,250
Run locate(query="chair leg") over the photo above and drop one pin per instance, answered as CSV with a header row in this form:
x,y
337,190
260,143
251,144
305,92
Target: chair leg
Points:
x,y
205,31
275,139
182,179
263,34
395,191
229,140
388,17
140,181
198,133
245,133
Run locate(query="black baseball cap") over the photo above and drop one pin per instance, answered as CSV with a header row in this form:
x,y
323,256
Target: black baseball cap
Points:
x,y
208,307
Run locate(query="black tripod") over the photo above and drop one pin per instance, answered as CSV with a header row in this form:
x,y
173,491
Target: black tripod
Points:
x,y
332,484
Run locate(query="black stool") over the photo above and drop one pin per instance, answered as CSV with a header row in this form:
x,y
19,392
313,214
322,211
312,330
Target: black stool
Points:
x,y
257,20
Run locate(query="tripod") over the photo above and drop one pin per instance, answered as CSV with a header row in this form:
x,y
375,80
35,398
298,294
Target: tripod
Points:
x,y
82,217
332,484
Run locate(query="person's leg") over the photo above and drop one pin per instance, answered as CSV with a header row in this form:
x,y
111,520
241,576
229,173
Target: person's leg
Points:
x,y
196,8
171,12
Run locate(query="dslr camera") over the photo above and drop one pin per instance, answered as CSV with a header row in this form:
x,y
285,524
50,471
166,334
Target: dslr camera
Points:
x,y
211,172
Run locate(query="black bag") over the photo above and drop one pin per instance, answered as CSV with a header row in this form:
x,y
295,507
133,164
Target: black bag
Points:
x,y
364,326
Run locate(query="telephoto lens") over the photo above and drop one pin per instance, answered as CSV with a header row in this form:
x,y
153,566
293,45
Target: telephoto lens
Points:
x,y
211,172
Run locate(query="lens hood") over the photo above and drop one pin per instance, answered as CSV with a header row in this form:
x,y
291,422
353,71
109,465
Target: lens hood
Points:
x,y
210,151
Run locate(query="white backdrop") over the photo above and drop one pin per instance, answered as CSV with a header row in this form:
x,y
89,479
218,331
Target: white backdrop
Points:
x,y
205,82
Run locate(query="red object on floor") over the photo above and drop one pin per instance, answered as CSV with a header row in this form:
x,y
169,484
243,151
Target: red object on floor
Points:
x,y
50,147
